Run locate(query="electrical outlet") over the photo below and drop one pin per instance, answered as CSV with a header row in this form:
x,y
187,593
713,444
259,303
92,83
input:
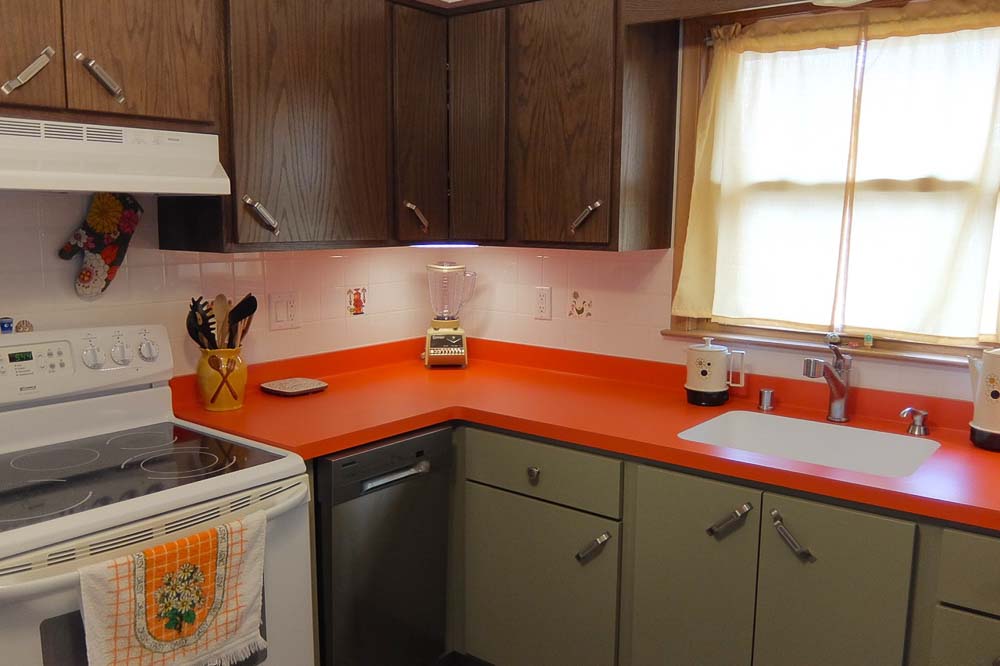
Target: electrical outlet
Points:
x,y
543,302
284,310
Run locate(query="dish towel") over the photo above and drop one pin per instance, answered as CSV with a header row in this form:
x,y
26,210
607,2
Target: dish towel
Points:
x,y
191,602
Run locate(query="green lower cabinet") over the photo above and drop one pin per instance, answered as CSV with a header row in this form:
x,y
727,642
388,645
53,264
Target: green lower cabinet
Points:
x,y
529,600
691,593
848,603
964,639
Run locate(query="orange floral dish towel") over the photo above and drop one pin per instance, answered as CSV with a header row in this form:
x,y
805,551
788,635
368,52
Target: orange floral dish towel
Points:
x,y
191,602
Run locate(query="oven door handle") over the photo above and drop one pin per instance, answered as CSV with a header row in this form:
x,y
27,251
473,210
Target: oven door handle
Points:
x,y
35,588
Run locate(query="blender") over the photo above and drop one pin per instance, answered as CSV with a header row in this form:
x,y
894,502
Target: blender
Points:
x,y
450,287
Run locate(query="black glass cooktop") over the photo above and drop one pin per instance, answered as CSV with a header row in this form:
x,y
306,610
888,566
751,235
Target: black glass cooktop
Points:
x,y
58,479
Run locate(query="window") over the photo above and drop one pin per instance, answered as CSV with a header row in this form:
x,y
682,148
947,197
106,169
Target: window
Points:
x,y
846,175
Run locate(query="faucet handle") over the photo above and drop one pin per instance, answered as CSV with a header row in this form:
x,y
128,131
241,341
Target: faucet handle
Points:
x,y
917,426
842,361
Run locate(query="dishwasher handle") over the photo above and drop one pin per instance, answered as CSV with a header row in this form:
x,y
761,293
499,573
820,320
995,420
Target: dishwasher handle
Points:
x,y
422,467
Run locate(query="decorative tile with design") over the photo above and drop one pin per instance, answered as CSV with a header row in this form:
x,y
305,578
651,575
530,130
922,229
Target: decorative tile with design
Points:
x,y
356,299
580,307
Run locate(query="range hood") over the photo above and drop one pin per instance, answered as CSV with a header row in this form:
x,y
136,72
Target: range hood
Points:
x,y
72,157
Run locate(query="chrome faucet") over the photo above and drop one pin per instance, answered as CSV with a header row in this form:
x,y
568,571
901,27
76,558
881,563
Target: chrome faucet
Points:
x,y
836,376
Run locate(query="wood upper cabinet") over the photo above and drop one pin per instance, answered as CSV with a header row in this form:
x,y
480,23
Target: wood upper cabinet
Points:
x,y
30,28
478,124
310,97
420,79
167,57
561,80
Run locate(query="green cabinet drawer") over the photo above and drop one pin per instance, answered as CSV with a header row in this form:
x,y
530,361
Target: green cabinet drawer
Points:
x,y
849,604
970,571
964,639
529,601
564,476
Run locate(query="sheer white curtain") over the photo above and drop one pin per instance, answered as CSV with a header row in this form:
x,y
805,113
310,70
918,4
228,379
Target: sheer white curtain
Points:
x,y
847,173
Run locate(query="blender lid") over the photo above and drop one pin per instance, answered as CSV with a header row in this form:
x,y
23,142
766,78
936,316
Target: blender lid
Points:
x,y
446,266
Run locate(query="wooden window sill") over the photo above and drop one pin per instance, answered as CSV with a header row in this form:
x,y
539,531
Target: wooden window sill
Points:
x,y
957,360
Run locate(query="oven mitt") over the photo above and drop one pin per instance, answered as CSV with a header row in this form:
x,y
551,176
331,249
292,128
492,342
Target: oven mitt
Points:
x,y
103,238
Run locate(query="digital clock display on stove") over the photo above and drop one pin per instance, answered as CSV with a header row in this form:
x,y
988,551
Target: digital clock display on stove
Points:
x,y
20,357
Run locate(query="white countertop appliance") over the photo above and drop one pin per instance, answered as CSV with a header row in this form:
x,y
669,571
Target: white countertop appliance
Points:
x,y
94,465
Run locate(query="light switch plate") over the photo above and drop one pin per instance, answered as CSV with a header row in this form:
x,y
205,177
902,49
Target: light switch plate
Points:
x,y
283,310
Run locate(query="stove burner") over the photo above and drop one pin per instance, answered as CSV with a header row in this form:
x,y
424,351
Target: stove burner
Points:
x,y
184,455
180,461
144,439
47,514
55,459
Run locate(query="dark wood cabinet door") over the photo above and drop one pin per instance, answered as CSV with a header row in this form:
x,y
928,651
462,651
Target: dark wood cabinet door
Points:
x,y
166,56
310,119
31,26
478,124
561,69
420,80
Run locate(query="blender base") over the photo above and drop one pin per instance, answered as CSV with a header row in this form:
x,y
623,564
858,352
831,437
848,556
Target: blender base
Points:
x,y
446,344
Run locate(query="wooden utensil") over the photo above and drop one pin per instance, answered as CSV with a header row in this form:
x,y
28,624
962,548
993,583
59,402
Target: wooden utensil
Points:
x,y
220,309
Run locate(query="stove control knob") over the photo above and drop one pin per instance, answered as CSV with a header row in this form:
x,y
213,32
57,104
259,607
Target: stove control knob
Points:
x,y
121,353
94,358
149,351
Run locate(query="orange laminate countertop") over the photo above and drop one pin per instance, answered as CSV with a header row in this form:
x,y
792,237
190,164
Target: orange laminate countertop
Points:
x,y
621,406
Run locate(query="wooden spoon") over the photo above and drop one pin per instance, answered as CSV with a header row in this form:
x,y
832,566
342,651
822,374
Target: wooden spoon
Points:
x,y
220,307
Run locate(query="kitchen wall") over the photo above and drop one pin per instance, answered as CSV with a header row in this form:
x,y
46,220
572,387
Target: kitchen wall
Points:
x,y
621,300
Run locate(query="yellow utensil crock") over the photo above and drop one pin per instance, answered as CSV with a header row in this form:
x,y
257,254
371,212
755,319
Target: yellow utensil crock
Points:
x,y
222,379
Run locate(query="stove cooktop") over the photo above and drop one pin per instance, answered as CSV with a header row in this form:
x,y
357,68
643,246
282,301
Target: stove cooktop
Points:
x,y
55,480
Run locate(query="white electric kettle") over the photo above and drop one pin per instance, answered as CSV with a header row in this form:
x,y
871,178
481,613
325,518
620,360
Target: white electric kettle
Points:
x,y
985,426
710,373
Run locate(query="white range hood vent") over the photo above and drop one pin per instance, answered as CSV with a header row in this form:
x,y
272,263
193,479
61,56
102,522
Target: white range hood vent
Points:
x,y
72,157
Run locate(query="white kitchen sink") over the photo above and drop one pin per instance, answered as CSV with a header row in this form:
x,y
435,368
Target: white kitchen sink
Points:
x,y
843,447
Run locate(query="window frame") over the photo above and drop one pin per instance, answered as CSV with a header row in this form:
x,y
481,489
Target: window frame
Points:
x,y
694,66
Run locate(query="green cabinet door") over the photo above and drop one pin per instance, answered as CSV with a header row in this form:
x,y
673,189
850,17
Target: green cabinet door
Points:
x,y
845,605
691,593
529,601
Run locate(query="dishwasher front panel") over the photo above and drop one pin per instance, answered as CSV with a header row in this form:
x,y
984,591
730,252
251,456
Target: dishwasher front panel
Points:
x,y
383,527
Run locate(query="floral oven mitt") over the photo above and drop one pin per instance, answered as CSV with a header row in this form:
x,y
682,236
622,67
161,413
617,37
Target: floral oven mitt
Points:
x,y
103,238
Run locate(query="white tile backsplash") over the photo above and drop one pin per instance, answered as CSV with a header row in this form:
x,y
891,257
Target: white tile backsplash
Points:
x,y
630,293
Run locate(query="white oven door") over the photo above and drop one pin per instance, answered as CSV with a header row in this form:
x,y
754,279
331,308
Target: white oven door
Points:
x,y
40,622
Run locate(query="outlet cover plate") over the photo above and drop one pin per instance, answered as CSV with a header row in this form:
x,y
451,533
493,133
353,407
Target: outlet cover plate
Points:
x,y
283,310
543,302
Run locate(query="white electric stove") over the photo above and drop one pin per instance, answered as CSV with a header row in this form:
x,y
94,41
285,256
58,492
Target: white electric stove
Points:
x,y
93,465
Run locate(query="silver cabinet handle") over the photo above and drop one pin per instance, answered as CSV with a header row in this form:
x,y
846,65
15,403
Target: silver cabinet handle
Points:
x,y
582,217
422,467
786,536
102,76
36,66
425,226
263,215
534,473
592,548
727,523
